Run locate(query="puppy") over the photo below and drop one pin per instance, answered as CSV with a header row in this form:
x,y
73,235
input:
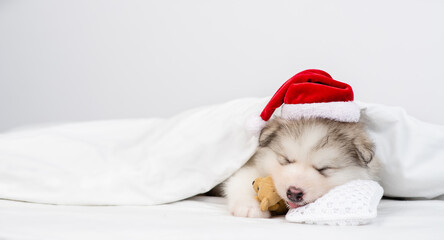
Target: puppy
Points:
x,y
306,158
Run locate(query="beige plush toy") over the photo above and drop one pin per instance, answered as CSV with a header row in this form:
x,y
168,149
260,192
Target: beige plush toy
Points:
x,y
267,195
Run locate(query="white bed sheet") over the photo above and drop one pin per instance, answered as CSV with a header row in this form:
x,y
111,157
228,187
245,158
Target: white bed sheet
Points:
x,y
203,217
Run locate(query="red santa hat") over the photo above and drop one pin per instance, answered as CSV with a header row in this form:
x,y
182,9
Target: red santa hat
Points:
x,y
310,94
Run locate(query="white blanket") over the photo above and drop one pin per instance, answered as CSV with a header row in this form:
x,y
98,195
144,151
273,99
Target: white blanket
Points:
x,y
153,161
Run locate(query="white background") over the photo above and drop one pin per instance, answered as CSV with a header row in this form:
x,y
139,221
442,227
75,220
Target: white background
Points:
x,y
86,60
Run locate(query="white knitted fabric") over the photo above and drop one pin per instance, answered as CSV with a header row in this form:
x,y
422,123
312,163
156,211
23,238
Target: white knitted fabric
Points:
x,y
353,203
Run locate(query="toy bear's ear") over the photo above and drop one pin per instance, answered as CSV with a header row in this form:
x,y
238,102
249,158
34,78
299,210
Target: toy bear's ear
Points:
x,y
253,183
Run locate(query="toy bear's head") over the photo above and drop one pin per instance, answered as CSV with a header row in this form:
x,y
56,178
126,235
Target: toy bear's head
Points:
x,y
267,196
264,187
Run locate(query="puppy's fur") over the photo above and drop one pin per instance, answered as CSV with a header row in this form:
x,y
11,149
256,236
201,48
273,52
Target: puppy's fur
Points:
x,y
306,158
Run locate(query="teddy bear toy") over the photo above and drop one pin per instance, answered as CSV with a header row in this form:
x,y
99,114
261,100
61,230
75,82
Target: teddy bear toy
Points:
x,y
268,197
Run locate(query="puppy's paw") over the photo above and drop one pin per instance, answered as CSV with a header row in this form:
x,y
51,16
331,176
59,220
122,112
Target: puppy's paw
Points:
x,y
248,208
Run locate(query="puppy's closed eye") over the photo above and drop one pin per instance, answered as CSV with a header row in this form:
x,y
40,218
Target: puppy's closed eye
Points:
x,y
287,161
323,170
283,160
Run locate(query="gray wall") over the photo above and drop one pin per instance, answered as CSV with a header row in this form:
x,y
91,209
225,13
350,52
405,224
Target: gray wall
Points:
x,y
85,60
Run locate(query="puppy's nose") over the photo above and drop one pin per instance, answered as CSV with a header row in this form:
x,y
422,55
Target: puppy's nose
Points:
x,y
295,194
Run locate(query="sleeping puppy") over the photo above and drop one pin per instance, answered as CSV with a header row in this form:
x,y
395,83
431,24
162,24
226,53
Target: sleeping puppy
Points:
x,y
306,158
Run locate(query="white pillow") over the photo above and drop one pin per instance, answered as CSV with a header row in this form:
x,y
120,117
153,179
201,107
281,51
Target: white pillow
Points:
x,y
353,203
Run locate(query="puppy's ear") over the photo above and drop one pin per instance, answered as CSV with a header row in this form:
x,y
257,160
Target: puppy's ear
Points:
x,y
269,132
365,148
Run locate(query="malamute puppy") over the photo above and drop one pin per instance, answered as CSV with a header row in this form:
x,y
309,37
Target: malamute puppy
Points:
x,y
306,158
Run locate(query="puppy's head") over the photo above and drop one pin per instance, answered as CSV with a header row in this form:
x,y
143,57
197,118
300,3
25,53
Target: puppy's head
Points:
x,y
308,157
